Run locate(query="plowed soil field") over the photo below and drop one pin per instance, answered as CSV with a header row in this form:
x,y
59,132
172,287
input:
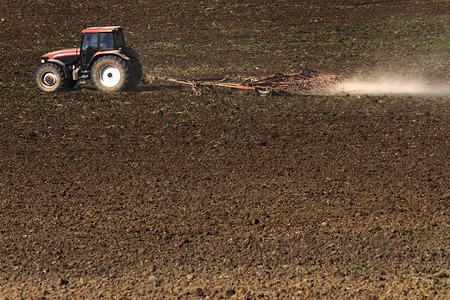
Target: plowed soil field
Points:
x,y
159,193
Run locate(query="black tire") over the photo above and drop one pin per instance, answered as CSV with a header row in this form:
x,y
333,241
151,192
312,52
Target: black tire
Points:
x,y
110,74
49,77
135,73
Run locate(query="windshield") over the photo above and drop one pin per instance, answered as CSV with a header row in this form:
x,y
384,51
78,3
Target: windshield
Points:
x,y
88,48
90,40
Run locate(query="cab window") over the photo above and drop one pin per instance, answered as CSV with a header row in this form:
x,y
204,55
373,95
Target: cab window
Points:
x,y
106,41
90,40
88,48
118,39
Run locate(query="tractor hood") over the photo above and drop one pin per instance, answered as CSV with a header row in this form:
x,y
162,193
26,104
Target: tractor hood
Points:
x,y
62,53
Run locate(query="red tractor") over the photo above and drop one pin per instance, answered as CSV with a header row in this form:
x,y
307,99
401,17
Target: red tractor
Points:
x,y
102,57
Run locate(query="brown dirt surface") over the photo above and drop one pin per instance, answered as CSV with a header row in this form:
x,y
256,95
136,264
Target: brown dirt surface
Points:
x,y
163,194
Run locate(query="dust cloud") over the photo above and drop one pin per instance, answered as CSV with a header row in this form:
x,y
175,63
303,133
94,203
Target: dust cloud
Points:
x,y
422,75
390,86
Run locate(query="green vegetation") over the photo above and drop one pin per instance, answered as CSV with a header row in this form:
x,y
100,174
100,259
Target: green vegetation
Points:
x,y
299,44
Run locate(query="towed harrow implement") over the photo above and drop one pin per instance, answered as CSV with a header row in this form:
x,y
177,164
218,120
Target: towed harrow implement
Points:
x,y
302,83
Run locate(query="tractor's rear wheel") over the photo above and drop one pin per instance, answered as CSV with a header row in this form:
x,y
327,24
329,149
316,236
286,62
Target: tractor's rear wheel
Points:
x,y
110,74
49,78
135,73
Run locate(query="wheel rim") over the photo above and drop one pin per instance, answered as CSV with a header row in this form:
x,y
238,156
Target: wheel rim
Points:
x,y
49,79
263,92
110,76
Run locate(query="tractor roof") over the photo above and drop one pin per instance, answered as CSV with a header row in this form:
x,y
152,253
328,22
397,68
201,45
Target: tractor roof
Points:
x,y
101,29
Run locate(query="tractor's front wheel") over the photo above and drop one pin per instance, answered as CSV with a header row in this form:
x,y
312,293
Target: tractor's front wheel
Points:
x,y
49,77
110,74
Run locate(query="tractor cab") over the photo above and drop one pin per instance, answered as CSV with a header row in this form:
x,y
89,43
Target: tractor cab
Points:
x,y
100,39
